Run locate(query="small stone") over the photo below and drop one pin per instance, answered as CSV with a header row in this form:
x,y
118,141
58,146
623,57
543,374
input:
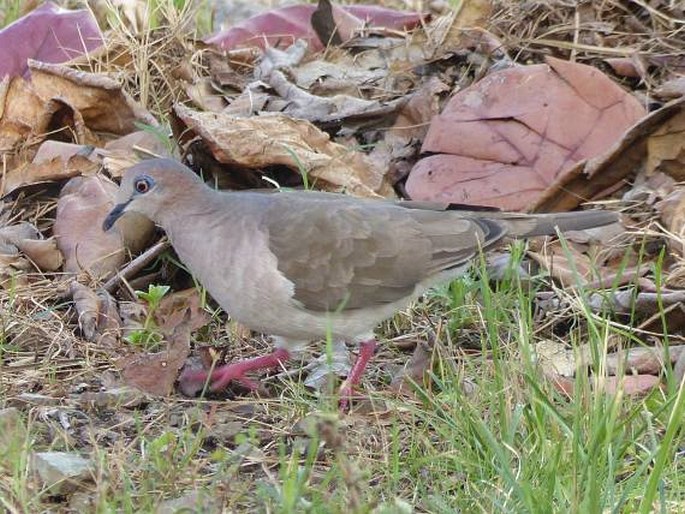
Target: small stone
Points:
x,y
62,472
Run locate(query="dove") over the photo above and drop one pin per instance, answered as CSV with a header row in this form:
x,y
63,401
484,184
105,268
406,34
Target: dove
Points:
x,y
304,265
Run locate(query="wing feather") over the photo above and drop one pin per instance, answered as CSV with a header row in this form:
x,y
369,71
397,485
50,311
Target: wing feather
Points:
x,y
346,254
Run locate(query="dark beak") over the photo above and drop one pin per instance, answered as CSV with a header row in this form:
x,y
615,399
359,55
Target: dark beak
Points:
x,y
114,215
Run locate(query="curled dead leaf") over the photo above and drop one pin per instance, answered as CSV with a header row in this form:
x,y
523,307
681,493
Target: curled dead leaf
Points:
x,y
416,371
105,107
25,238
42,252
275,139
54,161
98,317
82,207
22,113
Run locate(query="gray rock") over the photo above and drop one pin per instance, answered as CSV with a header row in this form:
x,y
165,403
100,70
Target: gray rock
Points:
x,y
61,472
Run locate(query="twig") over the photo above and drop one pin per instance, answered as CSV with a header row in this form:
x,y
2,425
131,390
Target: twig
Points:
x,y
137,264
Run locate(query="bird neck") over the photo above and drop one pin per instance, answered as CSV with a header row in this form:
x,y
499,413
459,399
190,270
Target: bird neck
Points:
x,y
196,205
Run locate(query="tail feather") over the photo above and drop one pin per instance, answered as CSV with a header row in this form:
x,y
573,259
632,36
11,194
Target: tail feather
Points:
x,y
531,225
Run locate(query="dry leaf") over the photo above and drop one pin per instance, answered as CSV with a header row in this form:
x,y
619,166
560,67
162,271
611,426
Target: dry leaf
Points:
x,y
333,25
283,26
81,209
12,269
567,265
416,371
205,96
155,373
505,140
395,154
275,139
25,238
105,107
642,360
42,252
14,266
632,67
320,369
666,146
672,209
300,104
671,89
632,385
181,306
630,303
49,33
53,161
592,176
97,315
452,30
22,113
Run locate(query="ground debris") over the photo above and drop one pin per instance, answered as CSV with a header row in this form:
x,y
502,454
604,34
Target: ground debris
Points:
x,y
62,472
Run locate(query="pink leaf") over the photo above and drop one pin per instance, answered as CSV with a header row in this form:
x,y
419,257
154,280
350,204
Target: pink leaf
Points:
x,y
506,139
281,27
48,34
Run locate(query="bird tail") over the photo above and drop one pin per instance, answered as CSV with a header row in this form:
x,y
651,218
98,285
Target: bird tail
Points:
x,y
531,225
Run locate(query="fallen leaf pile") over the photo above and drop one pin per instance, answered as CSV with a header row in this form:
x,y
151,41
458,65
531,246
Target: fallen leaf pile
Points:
x,y
364,100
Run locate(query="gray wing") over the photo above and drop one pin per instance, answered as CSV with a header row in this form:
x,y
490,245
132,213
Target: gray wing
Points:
x,y
345,253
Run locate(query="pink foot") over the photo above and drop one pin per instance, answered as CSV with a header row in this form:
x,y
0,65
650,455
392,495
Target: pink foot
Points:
x,y
366,351
223,375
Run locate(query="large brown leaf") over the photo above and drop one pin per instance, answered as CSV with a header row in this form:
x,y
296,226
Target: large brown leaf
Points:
x,y
104,105
505,140
275,139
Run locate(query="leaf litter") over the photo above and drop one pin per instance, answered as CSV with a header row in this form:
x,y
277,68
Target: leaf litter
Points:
x,y
384,104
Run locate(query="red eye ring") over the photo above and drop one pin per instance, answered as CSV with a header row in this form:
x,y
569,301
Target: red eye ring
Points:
x,y
142,186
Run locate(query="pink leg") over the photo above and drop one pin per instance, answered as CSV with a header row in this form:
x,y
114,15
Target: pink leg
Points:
x,y
222,375
366,351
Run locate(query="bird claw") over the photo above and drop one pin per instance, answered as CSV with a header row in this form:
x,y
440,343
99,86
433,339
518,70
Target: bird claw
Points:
x,y
346,393
224,375
194,381
366,351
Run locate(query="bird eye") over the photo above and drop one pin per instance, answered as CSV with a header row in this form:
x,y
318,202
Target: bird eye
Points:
x,y
143,185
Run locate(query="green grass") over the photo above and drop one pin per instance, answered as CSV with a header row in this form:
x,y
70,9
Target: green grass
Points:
x,y
10,11
514,444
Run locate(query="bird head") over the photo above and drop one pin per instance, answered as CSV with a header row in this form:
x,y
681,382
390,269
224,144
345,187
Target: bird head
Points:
x,y
150,188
